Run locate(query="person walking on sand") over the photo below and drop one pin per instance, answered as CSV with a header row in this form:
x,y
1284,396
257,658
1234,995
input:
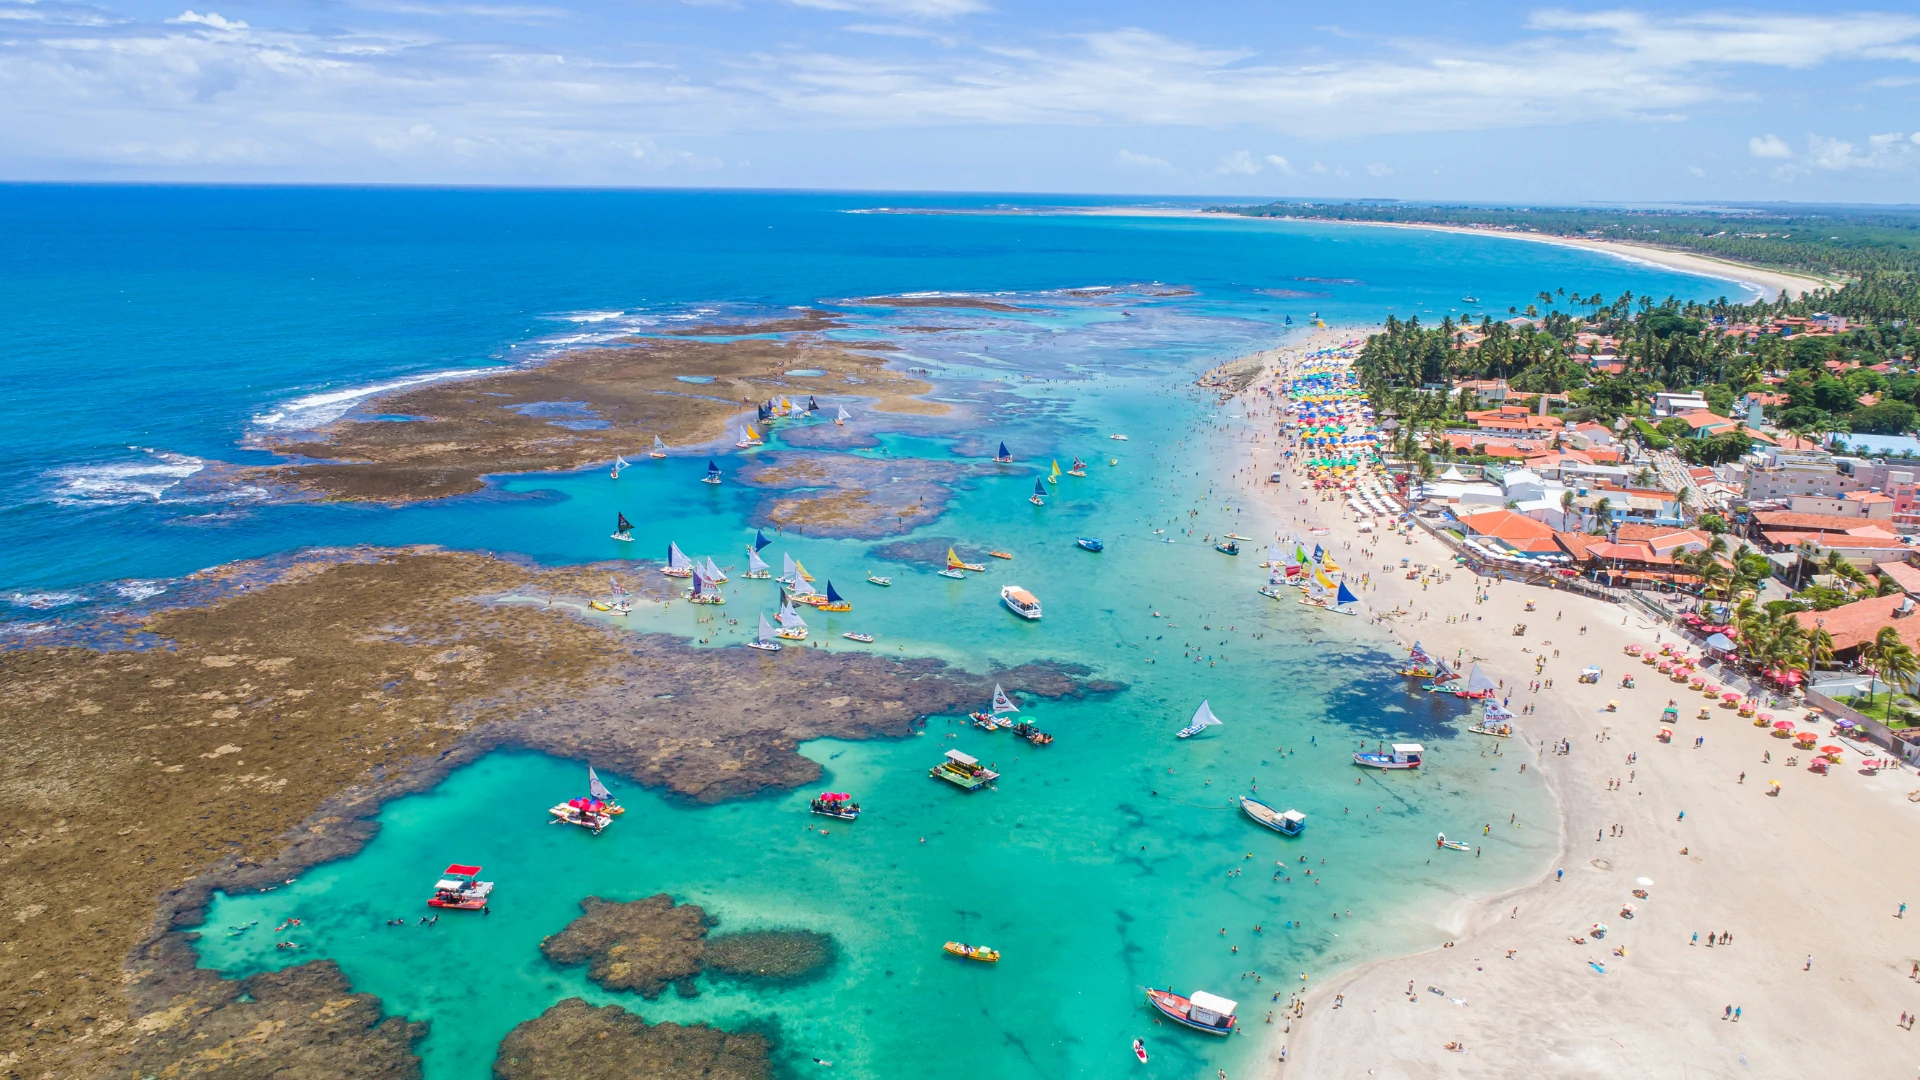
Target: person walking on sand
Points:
x,y
1809,966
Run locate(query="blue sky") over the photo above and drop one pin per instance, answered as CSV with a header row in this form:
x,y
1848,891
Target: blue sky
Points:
x,y
1405,99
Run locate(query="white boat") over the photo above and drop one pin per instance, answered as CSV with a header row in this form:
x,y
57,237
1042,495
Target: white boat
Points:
x,y
1020,602
743,442
957,575
659,448
764,642
678,565
1203,719
792,626
1404,756
618,464
789,570
1284,822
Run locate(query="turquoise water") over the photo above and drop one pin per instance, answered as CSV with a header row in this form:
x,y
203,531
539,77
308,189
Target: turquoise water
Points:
x,y
154,330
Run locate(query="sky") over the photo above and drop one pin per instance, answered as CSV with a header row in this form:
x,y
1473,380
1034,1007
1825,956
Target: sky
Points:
x,y
1407,99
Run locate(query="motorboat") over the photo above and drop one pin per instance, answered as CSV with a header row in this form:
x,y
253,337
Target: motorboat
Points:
x,y
461,889
873,579
1403,756
952,572
982,953
1020,602
835,804
864,639
1228,548
1091,543
1025,730
1201,1011
1284,822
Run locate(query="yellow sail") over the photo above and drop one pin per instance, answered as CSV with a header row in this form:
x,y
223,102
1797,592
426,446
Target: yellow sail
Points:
x,y
752,435
953,560
1321,576
1054,476
801,571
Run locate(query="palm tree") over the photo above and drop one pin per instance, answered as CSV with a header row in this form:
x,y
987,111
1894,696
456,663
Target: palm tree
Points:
x,y
1680,499
1566,507
1875,653
1898,668
1602,507
1819,650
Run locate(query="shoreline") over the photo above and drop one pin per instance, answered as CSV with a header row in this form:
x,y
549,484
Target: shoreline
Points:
x,y
1797,874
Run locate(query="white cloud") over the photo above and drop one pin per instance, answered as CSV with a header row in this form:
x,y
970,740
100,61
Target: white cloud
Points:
x,y
1769,146
1282,165
905,9
211,18
1377,169
1130,160
1238,163
1893,150
1697,171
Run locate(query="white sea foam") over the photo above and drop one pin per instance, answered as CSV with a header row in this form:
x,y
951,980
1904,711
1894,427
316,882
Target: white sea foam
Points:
x,y
318,410
116,482
139,590
23,629
44,601
592,316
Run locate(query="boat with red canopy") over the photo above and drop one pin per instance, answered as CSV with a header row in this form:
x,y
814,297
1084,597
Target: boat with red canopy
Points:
x,y
460,887
835,804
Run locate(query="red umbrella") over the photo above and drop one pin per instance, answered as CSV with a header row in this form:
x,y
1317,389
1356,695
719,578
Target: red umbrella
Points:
x,y
1729,696
1833,749
1783,725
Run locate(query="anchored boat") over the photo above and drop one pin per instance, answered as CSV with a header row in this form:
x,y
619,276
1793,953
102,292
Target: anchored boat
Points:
x,y
1404,756
991,718
1284,822
1025,730
875,580
622,528
1201,1012
713,473
973,952
659,448
460,888
1020,602
841,420
954,563
1091,543
792,626
703,591
764,642
864,639
963,771
678,565
587,813
953,572
1228,548
835,804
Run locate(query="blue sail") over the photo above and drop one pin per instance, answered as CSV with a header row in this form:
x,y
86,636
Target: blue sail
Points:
x,y
833,597
1345,596
1037,489
1003,450
712,469
760,540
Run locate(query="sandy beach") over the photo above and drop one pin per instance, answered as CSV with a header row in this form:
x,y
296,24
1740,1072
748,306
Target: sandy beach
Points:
x,y
1820,963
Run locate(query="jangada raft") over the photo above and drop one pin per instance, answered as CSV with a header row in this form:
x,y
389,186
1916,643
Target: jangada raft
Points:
x,y
1404,756
1201,1012
589,814
460,888
1203,719
835,804
954,563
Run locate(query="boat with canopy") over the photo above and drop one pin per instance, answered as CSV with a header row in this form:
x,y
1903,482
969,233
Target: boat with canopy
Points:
x,y
1284,822
1403,756
1201,1011
461,889
835,804
704,591
1020,601
964,771
1203,719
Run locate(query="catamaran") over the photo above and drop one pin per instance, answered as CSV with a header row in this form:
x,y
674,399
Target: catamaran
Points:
x,y
757,568
618,464
1053,477
1039,496
704,591
1004,456
841,420
792,626
659,448
1203,719
713,473
764,642
953,561
678,565
622,528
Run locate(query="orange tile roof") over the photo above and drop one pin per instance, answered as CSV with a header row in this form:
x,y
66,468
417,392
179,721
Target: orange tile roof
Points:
x,y
1852,625
1866,538
1517,531
1789,519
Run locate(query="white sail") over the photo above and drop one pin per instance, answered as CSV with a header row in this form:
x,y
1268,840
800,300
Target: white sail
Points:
x,y
766,631
789,618
677,559
788,570
1203,717
658,444
594,787
1002,703
712,572
844,414
1273,554
1480,682
755,563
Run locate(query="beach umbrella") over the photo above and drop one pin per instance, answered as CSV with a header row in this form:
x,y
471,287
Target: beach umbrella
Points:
x,y
1783,725
1764,717
1833,750
1729,696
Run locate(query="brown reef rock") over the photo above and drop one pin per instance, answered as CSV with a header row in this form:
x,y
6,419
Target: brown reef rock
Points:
x,y
276,721
575,1041
846,495
642,945
507,422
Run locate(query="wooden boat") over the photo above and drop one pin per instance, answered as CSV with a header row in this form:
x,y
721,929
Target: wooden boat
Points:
x,y
963,771
461,889
841,420
954,563
659,448
1489,727
831,601
1404,756
878,580
1020,602
622,529
1201,1012
757,568
764,642
703,592
1203,719
713,473
1079,468
991,719
618,464
973,952
1000,554
678,565
835,804
1284,822
957,575
1091,543
864,639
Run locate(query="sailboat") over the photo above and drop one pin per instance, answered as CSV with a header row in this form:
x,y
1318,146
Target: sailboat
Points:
x,y
1079,468
1039,496
812,405
800,590
713,473
1054,476
659,448
953,562
1479,685
789,570
841,420
704,591
743,441
623,529
1344,602
712,573
764,642
992,719
800,571
834,601
1203,719
1004,456
1273,555
760,540
757,568
678,565
618,464
753,437
792,626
